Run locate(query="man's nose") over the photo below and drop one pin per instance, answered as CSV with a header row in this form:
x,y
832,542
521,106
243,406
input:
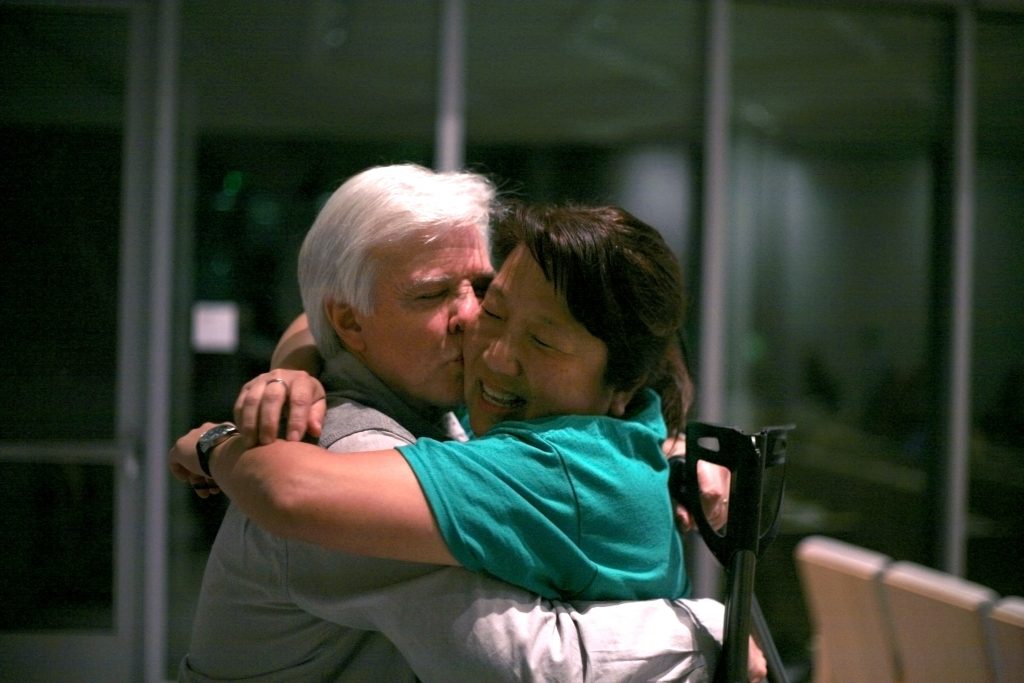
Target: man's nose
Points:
x,y
465,309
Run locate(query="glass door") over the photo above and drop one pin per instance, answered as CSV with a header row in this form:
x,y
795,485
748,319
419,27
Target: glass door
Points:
x,y
71,527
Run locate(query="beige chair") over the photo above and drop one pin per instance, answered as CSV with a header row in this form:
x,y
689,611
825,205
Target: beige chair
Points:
x,y
939,623
1007,622
853,640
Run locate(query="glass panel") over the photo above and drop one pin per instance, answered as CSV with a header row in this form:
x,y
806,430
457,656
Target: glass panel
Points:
x,y
840,161
566,104
61,74
59,296
996,546
57,536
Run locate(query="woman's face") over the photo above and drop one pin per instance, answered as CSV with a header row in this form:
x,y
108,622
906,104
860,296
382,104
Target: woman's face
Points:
x,y
527,357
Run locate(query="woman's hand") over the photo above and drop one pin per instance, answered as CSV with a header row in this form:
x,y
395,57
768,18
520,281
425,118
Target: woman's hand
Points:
x,y
184,463
757,665
714,481
263,401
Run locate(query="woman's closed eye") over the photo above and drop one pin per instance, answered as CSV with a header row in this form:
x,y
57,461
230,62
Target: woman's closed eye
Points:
x,y
541,343
552,342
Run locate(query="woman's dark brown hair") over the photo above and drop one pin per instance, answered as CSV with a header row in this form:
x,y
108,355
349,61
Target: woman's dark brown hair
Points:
x,y
621,281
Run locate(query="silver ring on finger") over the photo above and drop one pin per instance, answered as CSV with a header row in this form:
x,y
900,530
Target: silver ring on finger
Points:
x,y
277,379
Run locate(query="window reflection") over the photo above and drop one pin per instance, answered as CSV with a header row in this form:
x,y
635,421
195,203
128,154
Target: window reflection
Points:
x,y
995,550
833,306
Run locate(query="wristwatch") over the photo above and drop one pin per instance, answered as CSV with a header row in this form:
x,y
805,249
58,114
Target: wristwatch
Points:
x,y
211,438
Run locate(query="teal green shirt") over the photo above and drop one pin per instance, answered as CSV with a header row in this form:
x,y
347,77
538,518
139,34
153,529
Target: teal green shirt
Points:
x,y
571,507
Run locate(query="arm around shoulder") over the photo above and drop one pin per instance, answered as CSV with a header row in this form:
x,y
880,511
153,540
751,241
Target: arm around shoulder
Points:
x,y
296,349
366,503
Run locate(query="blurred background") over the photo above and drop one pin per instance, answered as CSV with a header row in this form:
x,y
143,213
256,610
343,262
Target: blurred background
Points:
x,y
843,183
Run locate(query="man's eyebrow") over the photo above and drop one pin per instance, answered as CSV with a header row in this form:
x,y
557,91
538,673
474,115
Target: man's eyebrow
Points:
x,y
429,280
416,286
445,279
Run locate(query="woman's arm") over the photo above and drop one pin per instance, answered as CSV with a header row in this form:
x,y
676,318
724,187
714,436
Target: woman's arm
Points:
x,y
296,349
363,503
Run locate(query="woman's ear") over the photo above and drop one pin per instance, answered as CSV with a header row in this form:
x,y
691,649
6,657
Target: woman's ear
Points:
x,y
620,401
345,321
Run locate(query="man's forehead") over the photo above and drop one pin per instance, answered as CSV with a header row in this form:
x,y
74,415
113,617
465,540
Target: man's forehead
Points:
x,y
424,242
449,257
452,264
458,235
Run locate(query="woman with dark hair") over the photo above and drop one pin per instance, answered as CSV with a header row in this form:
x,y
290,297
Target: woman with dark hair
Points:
x,y
618,279
574,377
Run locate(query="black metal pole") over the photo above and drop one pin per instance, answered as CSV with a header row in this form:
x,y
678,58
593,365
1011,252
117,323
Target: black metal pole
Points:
x,y
737,618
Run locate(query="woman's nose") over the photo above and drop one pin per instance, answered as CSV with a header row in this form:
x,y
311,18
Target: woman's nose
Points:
x,y
500,357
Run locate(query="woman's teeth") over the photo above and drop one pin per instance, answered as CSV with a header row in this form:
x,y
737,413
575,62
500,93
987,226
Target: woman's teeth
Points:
x,y
500,398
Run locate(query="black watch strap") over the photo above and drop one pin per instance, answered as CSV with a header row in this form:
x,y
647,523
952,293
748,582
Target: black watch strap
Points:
x,y
210,439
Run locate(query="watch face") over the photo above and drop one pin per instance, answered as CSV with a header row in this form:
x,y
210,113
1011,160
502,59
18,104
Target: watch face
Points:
x,y
215,435
208,440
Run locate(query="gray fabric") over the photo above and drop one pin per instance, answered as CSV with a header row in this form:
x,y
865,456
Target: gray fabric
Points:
x,y
349,383
263,599
276,610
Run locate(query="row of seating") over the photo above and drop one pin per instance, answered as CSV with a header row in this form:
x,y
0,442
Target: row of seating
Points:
x,y
876,619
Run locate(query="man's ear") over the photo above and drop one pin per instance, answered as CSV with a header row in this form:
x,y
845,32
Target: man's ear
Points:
x,y
345,321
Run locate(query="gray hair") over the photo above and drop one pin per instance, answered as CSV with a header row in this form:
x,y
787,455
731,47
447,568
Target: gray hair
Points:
x,y
380,206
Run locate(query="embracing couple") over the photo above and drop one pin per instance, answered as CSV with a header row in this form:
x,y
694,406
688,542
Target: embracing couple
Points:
x,y
488,497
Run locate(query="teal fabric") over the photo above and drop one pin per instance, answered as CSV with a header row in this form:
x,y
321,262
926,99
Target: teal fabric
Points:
x,y
568,507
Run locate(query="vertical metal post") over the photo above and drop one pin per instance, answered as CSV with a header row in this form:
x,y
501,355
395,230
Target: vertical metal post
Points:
x,y
956,471
158,344
136,201
450,138
711,392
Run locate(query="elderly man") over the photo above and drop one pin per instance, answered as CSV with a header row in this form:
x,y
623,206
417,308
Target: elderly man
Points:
x,y
389,274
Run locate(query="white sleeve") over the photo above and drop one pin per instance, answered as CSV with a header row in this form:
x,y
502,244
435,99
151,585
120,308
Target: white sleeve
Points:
x,y
456,625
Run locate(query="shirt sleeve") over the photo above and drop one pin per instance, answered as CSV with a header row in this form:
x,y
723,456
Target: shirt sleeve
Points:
x,y
521,481
369,440
571,507
490,630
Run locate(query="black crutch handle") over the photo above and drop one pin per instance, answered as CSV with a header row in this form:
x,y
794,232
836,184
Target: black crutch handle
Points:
x,y
746,456
738,547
